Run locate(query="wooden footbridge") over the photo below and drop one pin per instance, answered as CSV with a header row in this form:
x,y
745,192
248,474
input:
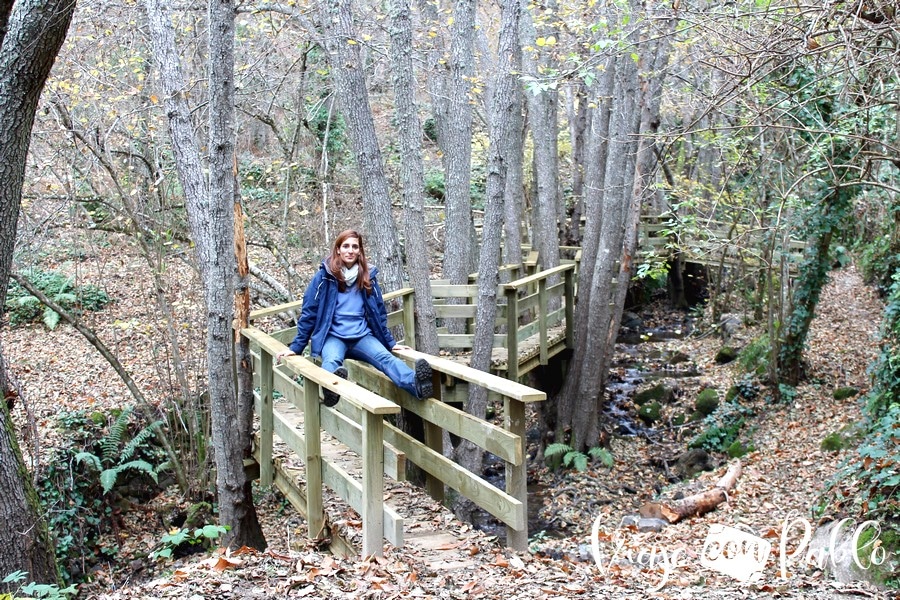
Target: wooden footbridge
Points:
x,y
359,454
354,451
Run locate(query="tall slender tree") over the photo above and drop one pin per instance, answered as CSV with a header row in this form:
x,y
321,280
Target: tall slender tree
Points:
x,y
210,205
31,34
347,72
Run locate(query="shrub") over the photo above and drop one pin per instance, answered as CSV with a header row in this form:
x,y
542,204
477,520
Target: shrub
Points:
x,y
754,357
22,307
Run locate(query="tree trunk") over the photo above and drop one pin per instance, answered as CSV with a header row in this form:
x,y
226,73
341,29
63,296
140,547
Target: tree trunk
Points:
x,y
412,176
514,191
456,145
350,82
31,33
542,119
576,108
503,109
210,209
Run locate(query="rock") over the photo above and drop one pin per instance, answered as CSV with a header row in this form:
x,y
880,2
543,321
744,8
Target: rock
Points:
x,y
726,354
842,393
707,401
657,393
650,412
692,462
650,524
729,325
676,358
631,321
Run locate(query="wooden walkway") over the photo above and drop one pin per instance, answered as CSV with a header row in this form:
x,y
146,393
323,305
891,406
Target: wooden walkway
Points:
x,y
353,455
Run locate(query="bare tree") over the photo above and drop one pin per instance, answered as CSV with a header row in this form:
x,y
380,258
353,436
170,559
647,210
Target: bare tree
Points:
x,y
503,111
412,175
31,34
210,214
347,72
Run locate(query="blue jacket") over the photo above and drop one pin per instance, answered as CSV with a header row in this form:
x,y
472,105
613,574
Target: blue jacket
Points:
x,y
319,302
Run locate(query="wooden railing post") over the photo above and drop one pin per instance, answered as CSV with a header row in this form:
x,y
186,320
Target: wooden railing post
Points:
x,y
409,319
570,308
315,513
266,419
512,333
516,475
373,484
542,320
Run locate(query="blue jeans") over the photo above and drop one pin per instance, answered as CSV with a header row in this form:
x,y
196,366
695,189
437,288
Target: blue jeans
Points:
x,y
368,349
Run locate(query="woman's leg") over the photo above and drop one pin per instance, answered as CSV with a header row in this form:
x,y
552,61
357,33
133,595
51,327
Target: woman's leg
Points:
x,y
370,350
333,352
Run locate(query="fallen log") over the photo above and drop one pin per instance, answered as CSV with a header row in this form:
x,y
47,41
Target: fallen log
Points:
x,y
696,504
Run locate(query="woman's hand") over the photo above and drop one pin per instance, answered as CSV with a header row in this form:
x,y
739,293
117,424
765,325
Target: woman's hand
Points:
x,y
281,355
400,347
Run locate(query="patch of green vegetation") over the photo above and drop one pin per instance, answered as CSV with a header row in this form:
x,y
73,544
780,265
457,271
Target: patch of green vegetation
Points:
x,y
658,393
833,442
842,393
754,357
726,354
723,428
878,551
22,307
738,449
650,412
563,455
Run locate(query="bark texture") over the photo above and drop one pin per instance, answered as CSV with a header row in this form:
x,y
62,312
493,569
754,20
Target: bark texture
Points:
x,y
31,34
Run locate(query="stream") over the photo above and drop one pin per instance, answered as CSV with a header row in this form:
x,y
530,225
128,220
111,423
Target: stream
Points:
x,y
637,361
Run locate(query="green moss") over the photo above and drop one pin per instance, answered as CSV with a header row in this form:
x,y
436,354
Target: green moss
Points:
x,y
707,401
842,393
726,354
657,393
884,550
738,449
732,393
650,412
833,442
679,420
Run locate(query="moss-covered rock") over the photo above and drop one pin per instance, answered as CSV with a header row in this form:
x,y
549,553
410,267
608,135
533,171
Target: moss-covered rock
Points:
x,y
707,401
679,420
726,354
833,442
738,449
842,393
732,393
650,412
657,393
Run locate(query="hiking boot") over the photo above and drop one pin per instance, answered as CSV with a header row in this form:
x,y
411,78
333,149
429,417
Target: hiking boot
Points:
x,y
330,398
424,387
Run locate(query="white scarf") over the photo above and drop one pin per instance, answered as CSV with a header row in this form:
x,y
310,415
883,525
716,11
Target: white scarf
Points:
x,y
350,274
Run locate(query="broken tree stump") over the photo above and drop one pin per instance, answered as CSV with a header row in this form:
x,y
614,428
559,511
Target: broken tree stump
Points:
x,y
696,504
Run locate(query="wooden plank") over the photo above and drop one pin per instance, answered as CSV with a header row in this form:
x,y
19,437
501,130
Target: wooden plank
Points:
x,y
512,332
502,386
542,319
266,419
312,458
310,371
450,311
373,485
516,475
497,502
454,291
486,435
525,281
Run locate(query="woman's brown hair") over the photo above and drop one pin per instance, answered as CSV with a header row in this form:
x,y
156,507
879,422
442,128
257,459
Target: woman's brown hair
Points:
x,y
335,263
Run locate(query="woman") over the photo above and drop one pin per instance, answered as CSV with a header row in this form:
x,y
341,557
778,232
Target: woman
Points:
x,y
344,316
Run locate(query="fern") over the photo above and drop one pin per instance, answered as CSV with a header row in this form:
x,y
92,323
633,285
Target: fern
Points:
x,y
111,443
603,455
557,449
109,476
138,440
89,458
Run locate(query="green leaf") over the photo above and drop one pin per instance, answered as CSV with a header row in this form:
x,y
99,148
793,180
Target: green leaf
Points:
x,y
557,449
581,461
89,458
51,319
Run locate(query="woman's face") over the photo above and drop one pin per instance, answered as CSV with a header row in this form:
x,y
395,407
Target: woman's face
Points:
x,y
349,251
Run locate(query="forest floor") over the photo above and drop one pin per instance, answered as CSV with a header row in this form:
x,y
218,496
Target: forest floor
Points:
x,y
782,478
